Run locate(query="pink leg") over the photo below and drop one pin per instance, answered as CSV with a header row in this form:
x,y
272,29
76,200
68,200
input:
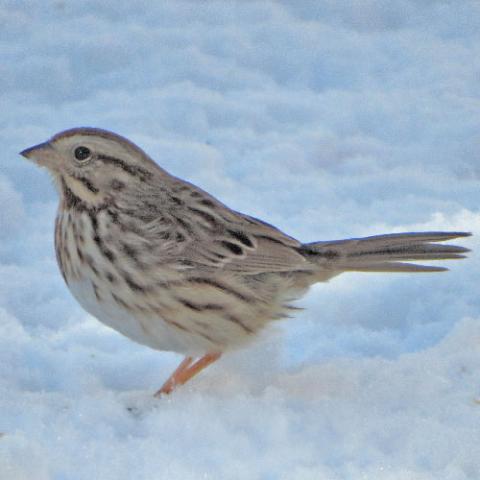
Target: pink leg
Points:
x,y
169,385
186,371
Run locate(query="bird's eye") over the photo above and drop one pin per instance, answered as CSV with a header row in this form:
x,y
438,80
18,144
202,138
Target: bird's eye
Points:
x,y
82,153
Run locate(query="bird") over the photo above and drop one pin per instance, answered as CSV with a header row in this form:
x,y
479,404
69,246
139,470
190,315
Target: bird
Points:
x,y
171,267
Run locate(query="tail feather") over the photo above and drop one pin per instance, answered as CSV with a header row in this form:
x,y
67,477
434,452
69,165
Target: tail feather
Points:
x,y
386,253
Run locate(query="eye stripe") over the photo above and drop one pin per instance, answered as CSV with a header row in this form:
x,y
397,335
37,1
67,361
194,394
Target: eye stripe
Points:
x,y
134,170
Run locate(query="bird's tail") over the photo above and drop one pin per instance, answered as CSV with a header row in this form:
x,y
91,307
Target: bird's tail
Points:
x,y
385,253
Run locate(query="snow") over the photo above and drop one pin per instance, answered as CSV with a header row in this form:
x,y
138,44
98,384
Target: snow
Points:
x,y
329,119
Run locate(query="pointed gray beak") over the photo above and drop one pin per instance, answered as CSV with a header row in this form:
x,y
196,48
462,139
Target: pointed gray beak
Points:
x,y
31,151
40,154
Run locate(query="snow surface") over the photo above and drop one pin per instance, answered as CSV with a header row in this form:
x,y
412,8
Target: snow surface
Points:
x,y
329,119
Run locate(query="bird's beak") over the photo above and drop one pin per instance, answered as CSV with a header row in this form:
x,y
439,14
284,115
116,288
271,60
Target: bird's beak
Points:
x,y
41,154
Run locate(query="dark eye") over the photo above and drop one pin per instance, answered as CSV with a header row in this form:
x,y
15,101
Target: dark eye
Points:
x,y
82,153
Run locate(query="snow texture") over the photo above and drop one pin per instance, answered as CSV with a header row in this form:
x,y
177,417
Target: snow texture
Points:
x,y
329,119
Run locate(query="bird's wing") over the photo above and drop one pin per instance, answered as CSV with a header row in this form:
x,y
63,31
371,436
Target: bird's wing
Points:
x,y
247,247
220,238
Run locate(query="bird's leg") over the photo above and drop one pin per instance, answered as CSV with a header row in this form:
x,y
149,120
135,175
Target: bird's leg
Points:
x,y
198,366
172,381
186,371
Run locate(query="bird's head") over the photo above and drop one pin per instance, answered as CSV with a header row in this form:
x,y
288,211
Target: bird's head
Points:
x,y
93,164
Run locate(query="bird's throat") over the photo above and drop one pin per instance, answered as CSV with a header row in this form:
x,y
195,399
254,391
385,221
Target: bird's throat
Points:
x,y
80,191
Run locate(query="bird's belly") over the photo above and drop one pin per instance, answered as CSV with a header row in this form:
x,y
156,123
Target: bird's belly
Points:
x,y
149,330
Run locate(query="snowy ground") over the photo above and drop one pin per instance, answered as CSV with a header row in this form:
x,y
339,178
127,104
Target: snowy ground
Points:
x,y
330,119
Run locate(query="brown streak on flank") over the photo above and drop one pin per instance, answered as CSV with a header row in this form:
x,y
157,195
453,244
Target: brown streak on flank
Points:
x,y
220,286
59,249
134,286
120,302
95,290
80,255
237,321
157,309
108,254
133,254
207,337
91,264
130,251
64,232
176,324
140,308
199,307
73,226
93,220
202,324
59,245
